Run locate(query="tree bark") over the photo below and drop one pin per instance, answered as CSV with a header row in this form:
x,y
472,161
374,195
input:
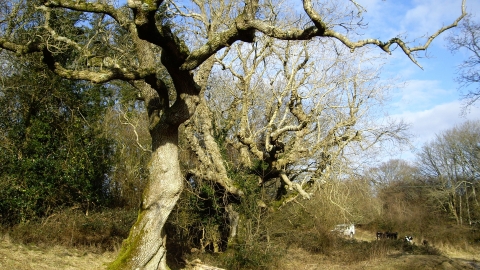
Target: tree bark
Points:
x,y
145,247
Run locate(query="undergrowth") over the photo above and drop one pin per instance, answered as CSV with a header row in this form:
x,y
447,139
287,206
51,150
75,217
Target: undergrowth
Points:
x,y
97,231
104,231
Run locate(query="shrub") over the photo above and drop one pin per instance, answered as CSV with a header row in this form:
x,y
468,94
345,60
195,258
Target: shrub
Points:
x,y
99,231
256,256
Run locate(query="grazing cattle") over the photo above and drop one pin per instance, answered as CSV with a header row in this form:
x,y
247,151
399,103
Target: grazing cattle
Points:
x,y
425,242
409,239
387,235
392,235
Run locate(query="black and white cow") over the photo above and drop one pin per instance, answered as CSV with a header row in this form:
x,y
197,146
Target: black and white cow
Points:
x,y
409,239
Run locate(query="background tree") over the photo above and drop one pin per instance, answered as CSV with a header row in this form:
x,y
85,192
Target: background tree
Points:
x,y
402,194
451,165
161,52
53,153
394,170
313,115
126,124
468,38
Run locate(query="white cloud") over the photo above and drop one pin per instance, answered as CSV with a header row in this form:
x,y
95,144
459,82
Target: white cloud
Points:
x,y
427,16
422,94
425,124
413,19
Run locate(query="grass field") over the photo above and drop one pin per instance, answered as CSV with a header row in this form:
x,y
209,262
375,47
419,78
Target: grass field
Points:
x,y
23,257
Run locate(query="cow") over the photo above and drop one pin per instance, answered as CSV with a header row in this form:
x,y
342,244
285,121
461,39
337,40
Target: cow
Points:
x,y
392,235
387,235
409,239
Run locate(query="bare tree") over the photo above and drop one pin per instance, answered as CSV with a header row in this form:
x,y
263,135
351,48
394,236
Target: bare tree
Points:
x,y
451,163
468,38
392,171
298,113
128,127
401,193
163,50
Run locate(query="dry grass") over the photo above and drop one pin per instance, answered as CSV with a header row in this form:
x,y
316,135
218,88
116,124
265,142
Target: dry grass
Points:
x,y
299,259
68,239
367,253
23,257
72,240
466,251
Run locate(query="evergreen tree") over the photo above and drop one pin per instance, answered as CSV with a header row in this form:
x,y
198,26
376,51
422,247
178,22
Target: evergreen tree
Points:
x,y
52,153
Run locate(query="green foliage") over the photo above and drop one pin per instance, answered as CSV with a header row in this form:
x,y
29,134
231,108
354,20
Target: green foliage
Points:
x,y
199,213
260,167
200,216
53,153
256,256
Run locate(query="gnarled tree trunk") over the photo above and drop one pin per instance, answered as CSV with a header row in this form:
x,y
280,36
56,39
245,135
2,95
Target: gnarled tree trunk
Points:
x,y
145,247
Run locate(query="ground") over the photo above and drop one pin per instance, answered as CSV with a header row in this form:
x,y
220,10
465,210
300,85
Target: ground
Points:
x,y
22,257
299,259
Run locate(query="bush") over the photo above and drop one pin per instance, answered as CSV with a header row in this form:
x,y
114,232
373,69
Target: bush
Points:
x,y
99,231
256,256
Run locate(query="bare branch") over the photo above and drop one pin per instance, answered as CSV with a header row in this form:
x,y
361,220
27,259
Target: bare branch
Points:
x,y
134,128
94,7
295,186
321,30
53,33
98,77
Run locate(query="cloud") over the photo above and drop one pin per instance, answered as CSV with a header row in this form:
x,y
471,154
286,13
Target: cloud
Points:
x,y
425,124
427,16
412,20
422,94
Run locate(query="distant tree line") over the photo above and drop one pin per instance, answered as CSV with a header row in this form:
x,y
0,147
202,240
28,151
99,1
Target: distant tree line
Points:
x,y
440,187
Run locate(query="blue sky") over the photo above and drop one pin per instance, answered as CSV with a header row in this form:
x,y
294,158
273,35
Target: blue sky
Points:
x,y
430,100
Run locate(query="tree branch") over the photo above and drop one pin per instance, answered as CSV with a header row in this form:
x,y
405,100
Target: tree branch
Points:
x,y
94,7
295,186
